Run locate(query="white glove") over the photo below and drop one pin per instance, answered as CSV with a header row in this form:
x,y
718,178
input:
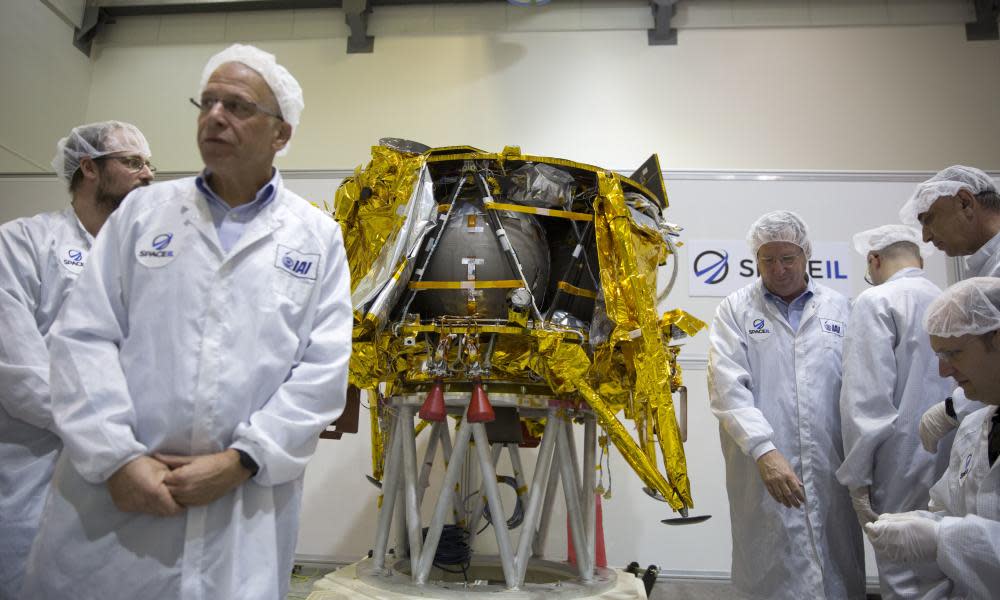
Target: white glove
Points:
x,y
934,425
861,501
904,537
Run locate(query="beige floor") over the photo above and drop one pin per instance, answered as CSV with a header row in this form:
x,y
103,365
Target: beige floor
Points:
x,y
665,589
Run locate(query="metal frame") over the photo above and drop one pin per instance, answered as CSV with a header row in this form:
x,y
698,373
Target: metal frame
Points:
x,y
662,34
985,27
407,479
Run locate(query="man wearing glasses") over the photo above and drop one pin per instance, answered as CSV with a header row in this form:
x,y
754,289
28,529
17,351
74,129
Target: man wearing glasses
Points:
x,y
890,379
206,350
959,537
40,259
774,375
958,210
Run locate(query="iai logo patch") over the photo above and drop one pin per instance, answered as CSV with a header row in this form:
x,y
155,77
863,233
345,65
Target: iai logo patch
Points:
x,y
156,248
833,327
759,329
298,264
72,258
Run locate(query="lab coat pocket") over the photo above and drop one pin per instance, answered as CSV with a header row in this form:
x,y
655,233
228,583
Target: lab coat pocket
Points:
x,y
287,289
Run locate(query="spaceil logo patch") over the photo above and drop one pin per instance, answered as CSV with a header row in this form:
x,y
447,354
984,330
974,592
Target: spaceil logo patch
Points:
x,y
758,329
156,249
72,258
833,327
712,266
299,264
966,467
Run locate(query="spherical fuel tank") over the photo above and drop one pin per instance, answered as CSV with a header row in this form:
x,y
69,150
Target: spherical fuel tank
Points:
x,y
469,251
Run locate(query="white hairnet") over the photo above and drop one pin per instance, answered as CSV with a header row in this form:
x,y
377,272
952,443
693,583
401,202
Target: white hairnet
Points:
x,y
95,140
285,88
779,226
969,307
882,237
946,183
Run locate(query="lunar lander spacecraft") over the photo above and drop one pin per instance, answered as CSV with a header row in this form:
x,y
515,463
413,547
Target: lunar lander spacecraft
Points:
x,y
499,298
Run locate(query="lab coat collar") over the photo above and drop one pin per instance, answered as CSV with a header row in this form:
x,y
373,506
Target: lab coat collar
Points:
x,y
79,227
266,221
771,308
976,262
907,272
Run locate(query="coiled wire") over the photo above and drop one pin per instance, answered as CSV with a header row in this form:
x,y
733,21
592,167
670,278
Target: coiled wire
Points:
x,y
517,517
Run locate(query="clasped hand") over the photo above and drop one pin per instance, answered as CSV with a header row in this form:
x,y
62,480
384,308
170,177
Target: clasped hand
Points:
x,y
164,484
780,479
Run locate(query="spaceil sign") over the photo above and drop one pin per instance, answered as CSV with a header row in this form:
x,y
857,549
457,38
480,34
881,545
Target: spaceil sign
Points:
x,y
718,268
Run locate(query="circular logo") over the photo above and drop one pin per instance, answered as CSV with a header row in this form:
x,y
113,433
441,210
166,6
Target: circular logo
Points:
x,y
161,241
758,323
288,262
72,258
712,266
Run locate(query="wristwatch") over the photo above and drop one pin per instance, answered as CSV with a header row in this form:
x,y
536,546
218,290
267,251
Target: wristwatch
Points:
x,y
247,462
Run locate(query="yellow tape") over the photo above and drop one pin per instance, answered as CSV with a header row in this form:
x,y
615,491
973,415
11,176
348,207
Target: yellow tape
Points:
x,y
466,285
534,210
575,291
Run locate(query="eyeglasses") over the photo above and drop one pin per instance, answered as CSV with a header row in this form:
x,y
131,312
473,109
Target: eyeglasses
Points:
x,y
133,163
786,261
241,109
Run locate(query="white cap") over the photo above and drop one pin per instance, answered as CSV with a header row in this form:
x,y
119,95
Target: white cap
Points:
x,y
779,226
95,140
882,237
285,88
946,183
970,307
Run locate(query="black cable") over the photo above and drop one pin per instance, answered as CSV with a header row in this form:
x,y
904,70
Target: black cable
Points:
x,y
453,550
517,517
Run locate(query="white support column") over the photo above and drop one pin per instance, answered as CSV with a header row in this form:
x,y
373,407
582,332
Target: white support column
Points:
x,y
428,463
571,491
390,484
539,487
496,508
421,569
552,425
589,485
409,442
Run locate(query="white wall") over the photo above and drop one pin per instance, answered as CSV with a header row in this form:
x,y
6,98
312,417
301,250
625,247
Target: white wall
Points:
x,y
46,85
835,98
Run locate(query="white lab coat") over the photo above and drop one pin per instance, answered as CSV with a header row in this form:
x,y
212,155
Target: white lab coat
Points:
x,y
774,388
40,258
967,501
984,263
890,379
171,345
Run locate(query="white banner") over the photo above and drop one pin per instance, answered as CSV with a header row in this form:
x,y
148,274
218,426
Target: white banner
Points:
x,y
720,267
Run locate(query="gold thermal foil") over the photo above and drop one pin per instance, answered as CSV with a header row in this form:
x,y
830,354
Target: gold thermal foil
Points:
x,y
687,323
630,373
378,439
628,257
565,368
368,206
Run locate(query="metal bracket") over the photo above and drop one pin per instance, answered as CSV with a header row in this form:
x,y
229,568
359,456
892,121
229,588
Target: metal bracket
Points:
x,y
94,20
985,26
662,34
356,16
